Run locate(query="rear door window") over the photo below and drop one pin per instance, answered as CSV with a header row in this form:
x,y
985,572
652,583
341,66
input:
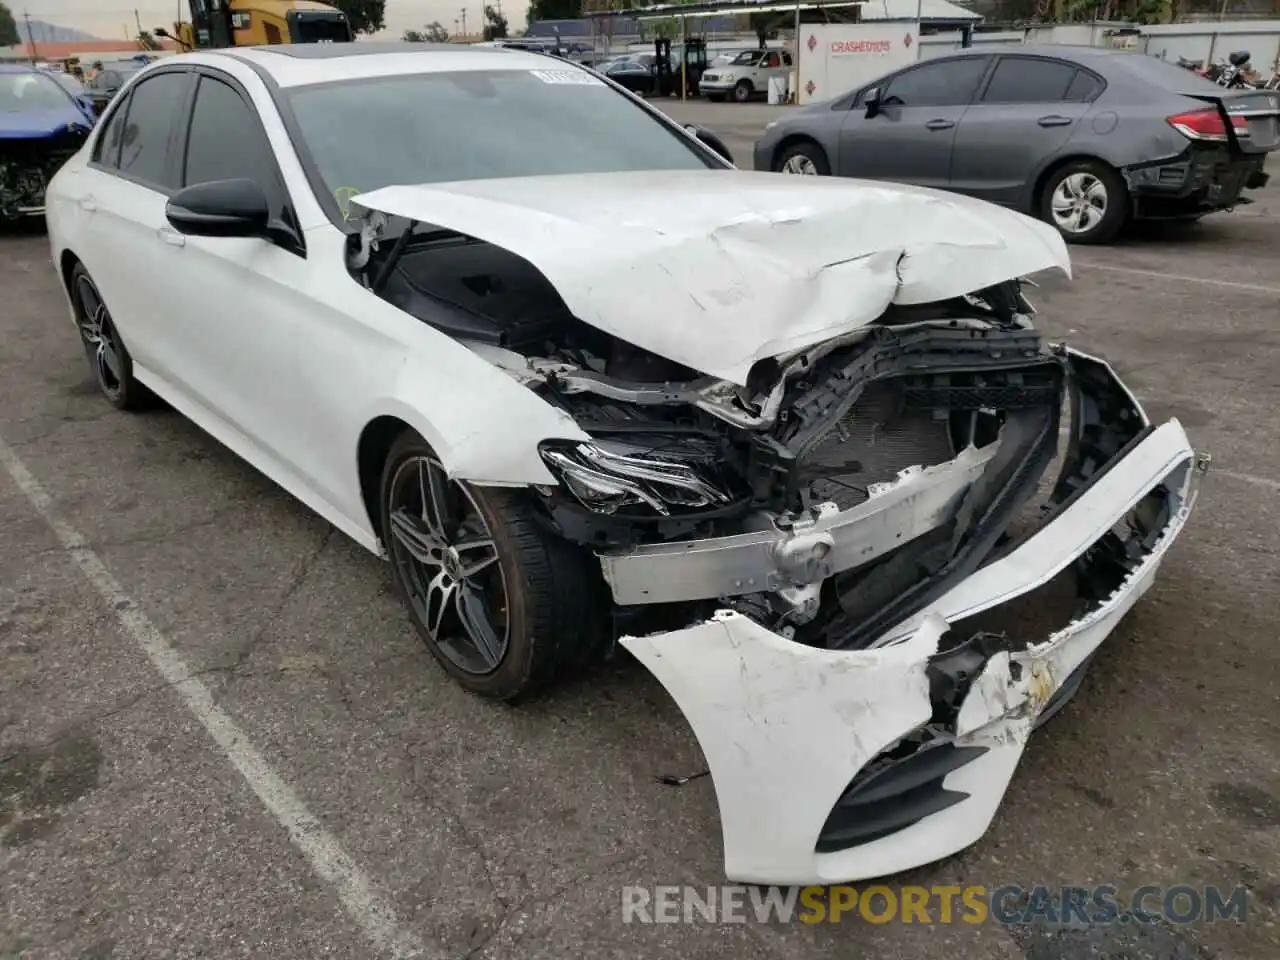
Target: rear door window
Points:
x,y
1030,80
153,111
107,150
1085,86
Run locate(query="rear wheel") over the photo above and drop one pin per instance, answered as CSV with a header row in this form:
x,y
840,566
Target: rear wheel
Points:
x,y
742,91
503,606
108,357
1086,200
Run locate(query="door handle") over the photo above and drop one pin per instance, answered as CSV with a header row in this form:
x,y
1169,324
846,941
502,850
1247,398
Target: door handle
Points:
x,y
172,237
1053,120
88,204
939,125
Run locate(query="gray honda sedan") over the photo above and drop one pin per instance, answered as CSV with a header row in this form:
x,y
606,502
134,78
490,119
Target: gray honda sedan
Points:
x,y
1081,137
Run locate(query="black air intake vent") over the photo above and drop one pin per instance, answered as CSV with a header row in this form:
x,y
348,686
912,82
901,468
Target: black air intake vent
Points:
x,y
894,796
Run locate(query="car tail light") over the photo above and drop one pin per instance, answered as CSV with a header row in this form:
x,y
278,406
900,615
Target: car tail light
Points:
x,y
1207,124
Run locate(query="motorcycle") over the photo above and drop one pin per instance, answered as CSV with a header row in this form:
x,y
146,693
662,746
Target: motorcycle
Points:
x,y
1236,73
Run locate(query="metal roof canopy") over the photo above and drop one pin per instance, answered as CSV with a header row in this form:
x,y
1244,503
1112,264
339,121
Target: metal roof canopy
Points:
x,y
716,8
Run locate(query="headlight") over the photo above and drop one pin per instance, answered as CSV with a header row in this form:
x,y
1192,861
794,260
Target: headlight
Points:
x,y
771,124
604,480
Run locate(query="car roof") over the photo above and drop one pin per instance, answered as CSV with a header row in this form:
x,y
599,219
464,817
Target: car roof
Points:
x,y
1060,51
300,64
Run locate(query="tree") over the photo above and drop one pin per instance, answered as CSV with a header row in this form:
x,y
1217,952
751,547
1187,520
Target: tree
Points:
x,y
431,33
8,28
495,27
554,10
146,41
365,16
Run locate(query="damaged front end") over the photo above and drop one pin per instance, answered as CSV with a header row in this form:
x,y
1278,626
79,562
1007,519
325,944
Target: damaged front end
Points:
x,y
846,762
804,555
28,163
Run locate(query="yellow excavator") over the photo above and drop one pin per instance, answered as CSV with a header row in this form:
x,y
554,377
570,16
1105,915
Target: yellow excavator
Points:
x,y
216,24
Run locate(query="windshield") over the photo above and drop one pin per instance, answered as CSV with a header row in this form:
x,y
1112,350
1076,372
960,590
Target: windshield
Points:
x,y
30,91
1164,74
748,59
476,125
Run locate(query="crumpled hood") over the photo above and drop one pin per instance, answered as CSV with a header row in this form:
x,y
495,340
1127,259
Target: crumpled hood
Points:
x,y
719,269
40,123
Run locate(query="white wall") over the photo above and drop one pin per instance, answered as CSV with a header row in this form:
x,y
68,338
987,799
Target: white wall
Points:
x,y
941,44
836,57
1213,41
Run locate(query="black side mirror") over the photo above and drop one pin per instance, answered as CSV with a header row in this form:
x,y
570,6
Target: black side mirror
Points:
x,y
871,100
710,139
220,208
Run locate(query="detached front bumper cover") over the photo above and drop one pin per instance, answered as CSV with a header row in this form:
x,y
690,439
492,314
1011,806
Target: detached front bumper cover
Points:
x,y
830,765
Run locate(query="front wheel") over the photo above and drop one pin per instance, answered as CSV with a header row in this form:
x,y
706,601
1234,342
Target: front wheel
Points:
x,y
501,604
742,91
803,159
1086,200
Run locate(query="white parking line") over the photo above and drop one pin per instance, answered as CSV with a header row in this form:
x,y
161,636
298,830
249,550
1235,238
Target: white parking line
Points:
x,y
1180,277
322,850
1248,478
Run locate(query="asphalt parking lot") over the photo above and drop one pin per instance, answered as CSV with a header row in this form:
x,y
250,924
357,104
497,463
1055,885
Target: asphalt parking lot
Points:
x,y
219,736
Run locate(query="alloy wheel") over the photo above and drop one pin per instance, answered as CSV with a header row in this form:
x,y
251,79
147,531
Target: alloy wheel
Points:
x,y
447,561
1079,203
101,338
800,164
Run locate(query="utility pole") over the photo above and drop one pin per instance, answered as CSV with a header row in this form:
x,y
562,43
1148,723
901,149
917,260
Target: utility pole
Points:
x,y
464,21
31,37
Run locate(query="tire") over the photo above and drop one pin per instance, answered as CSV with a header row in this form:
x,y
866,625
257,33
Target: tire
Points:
x,y
742,91
108,357
1069,200
803,158
551,609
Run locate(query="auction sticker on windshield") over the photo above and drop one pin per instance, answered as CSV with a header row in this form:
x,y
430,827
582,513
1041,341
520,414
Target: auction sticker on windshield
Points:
x,y
578,77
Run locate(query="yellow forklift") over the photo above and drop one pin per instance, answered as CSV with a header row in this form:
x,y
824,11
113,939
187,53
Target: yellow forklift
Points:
x,y
253,23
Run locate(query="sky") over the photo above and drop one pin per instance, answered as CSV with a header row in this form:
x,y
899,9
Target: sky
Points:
x,y
108,19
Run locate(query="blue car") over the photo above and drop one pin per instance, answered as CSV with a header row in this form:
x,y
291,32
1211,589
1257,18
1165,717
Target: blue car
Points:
x,y
41,125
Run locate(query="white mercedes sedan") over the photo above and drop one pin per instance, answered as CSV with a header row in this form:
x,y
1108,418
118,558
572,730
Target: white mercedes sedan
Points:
x,y
582,383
